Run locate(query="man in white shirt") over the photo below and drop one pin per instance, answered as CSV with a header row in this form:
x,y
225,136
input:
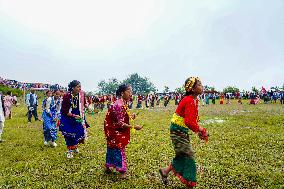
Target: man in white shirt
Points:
x,y
32,103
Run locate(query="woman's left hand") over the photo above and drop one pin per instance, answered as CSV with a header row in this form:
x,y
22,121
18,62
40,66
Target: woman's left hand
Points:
x,y
203,134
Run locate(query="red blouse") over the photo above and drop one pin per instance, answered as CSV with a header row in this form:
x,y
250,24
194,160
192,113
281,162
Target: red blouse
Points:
x,y
117,136
189,111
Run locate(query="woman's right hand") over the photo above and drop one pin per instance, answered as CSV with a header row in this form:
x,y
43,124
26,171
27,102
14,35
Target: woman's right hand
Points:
x,y
138,127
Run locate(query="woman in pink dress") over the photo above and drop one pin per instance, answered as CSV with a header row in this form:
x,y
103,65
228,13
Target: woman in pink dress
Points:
x,y
117,128
8,103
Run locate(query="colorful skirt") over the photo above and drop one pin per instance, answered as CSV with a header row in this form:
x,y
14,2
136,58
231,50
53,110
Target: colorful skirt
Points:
x,y
73,131
183,164
116,158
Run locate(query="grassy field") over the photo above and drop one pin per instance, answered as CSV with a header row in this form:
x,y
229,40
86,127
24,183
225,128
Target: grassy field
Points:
x,y
245,150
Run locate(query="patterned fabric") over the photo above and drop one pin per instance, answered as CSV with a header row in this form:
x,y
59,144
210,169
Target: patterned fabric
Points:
x,y
31,99
116,158
183,164
190,83
116,135
178,120
49,115
58,104
184,119
8,102
74,131
68,105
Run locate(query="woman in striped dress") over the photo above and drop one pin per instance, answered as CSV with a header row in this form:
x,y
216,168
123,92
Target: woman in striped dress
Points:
x,y
184,119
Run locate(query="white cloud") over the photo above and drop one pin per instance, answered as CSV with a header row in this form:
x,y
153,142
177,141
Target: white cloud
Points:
x,y
85,24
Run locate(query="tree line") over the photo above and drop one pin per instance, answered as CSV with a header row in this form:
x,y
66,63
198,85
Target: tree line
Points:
x,y
140,85
143,85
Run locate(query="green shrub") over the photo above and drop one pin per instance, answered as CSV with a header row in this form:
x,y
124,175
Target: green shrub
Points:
x,y
16,92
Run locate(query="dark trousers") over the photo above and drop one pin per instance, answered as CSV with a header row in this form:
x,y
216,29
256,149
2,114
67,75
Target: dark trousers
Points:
x,y
32,113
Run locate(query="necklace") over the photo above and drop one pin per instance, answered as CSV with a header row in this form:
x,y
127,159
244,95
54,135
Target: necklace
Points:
x,y
74,101
126,108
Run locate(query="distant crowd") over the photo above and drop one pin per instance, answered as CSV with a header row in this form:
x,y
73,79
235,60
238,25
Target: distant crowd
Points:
x,y
253,97
21,85
99,102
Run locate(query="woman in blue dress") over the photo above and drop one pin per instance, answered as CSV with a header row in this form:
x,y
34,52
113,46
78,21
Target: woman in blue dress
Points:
x,y
72,122
49,116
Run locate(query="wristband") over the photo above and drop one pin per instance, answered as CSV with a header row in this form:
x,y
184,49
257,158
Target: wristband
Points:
x,y
133,129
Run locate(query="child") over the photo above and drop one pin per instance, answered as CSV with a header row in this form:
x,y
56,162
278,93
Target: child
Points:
x,y
184,119
117,131
49,117
58,104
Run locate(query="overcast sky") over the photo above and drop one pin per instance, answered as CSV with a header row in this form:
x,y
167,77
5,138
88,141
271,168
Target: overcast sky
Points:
x,y
224,42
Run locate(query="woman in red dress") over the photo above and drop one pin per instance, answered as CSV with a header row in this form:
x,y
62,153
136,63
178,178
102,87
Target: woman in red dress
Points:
x,y
117,131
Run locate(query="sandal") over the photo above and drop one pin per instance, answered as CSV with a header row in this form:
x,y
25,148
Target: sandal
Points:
x,y
164,178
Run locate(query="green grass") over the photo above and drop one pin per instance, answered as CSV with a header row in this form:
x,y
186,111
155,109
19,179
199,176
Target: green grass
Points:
x,y
245,151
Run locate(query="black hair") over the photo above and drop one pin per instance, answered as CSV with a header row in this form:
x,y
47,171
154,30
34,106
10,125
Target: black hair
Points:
x,y
9,92
47,91
56,91
73,84
121,89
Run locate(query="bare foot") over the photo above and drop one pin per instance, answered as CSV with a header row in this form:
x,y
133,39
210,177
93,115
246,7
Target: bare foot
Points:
x,y
164,177
123,176
108,171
